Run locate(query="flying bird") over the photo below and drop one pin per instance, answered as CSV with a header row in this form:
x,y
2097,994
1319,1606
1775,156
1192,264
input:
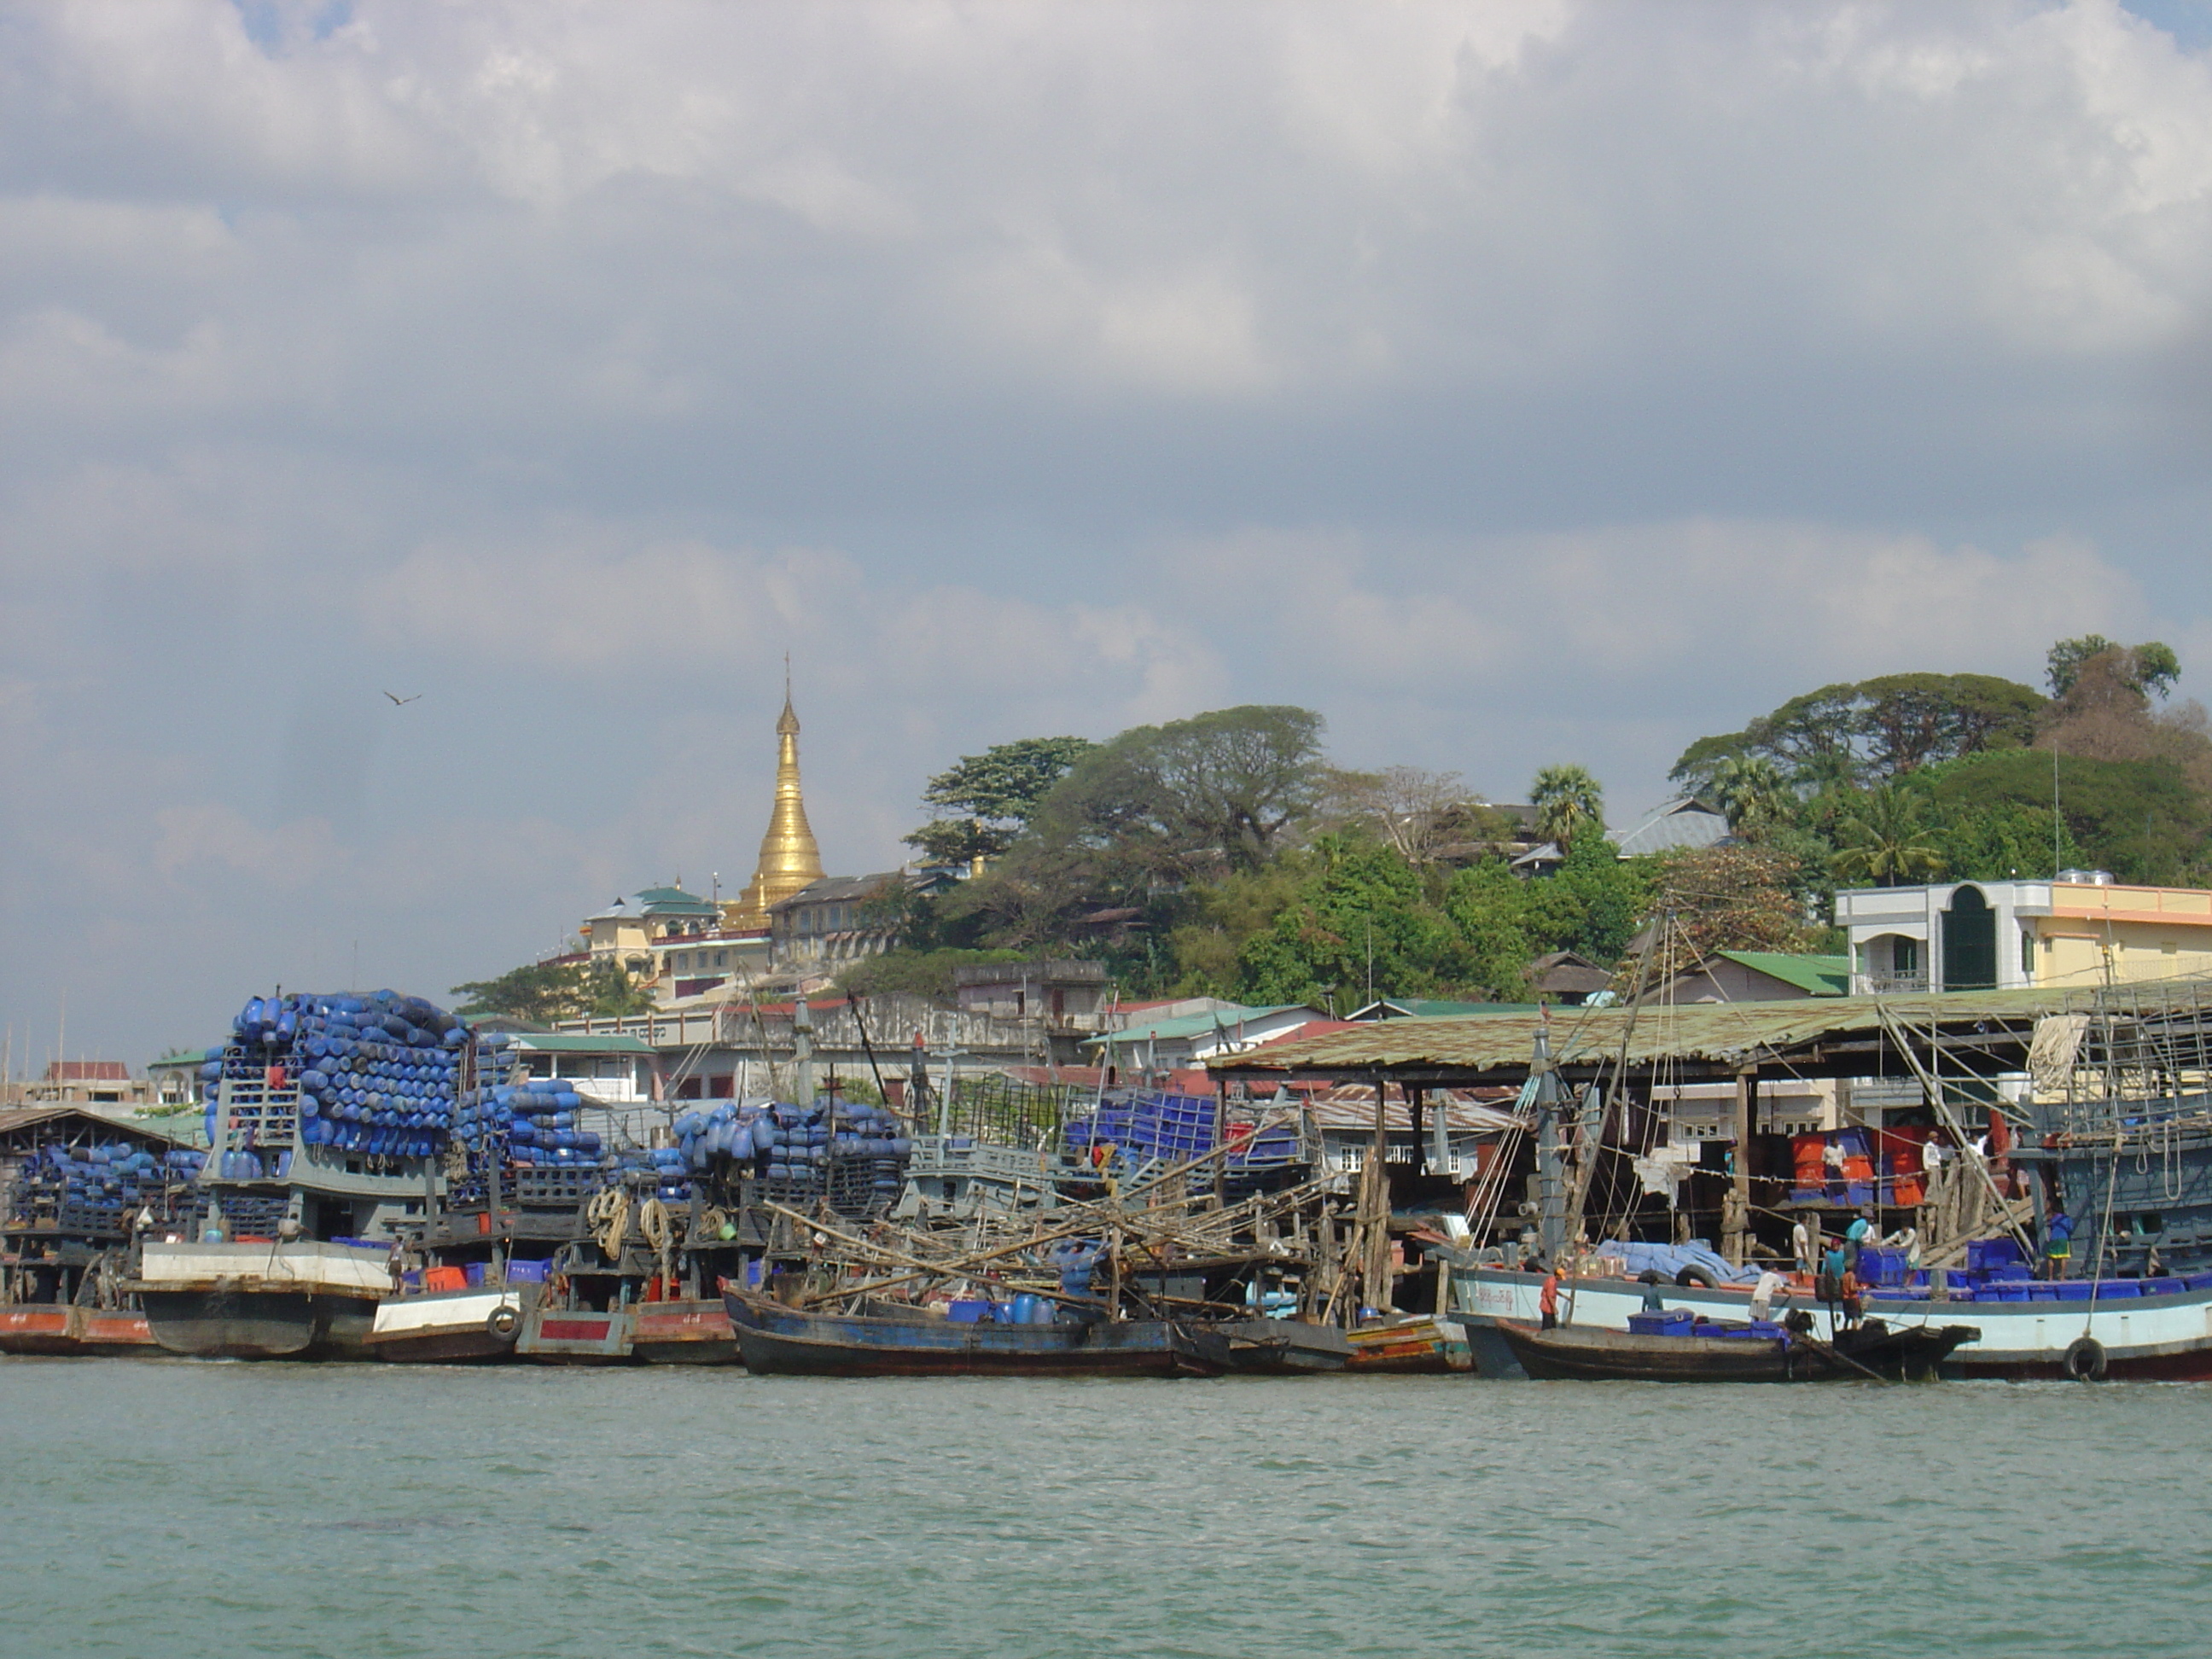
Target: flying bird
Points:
x,y
402,702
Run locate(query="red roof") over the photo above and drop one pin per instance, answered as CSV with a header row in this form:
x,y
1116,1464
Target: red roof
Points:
x,y
87,1070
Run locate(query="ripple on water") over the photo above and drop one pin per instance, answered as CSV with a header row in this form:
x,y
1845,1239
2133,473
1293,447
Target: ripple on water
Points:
x,y
240,1511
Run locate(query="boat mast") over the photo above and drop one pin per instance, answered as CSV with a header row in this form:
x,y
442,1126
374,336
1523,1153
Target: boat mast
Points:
x,y
1551,1184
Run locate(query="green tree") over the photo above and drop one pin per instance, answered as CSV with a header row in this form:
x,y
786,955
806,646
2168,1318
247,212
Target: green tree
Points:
x,y
1847,735
992,797
2000,841
543,991
1751,793
1568,802
1361,918
1489,907
1884,839
1186,800
2139,818
2149,669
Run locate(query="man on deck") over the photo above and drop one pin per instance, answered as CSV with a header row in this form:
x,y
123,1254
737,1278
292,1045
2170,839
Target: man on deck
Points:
x,y
2057,1243
1547,1300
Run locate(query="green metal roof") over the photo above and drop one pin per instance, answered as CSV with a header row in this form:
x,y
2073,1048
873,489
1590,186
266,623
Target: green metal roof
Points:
x,y
1718,1035
573,1042
674,901
1819,976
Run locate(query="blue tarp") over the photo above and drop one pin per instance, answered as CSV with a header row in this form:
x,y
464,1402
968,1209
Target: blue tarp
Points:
x,y
1669,1259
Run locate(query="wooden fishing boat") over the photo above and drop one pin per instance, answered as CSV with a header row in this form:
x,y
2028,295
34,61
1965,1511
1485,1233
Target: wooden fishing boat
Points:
x,y
1710,1354
683,1333
1285,1347
775,1339
51,1328
1412,1343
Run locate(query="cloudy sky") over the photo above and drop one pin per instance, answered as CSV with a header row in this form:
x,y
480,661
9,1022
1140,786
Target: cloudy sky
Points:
x,y
1513,383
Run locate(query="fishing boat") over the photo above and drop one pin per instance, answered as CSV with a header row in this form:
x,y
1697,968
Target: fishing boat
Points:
x,y
775,1339
1693,1352
67,1330
1285,1347
682,1333
1412,1343
474,1322
259,1299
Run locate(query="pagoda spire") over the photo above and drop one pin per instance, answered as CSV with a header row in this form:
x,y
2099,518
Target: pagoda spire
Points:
x,y
789,858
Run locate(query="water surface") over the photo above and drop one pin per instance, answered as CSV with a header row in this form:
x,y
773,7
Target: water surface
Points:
x,y
173,1509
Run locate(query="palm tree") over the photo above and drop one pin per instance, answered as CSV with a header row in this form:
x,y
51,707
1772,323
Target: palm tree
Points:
x,y
1883,839
1750,792
1568,800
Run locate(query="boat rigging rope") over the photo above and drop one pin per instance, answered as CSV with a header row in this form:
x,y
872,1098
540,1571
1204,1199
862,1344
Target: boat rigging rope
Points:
x,y
607,1216
653,1222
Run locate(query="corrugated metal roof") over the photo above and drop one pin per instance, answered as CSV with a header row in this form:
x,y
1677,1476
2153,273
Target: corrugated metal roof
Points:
x,y
1726,1033
1820,976
565,1042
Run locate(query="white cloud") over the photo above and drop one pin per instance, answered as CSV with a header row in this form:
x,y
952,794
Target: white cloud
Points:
x,y
1511,382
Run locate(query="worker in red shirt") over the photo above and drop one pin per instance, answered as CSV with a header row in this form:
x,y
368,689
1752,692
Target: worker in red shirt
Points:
x,y
1547,1300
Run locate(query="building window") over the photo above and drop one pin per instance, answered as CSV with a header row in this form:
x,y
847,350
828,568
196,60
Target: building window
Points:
x,y
1904,957
2027,954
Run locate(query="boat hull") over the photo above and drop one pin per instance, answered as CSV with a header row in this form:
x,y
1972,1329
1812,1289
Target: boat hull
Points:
x,y
75,1332
1601,1356
448,1328
684,1333
1421,1347
2166,1338
241,1324
774,1339
1285,1347
555,1336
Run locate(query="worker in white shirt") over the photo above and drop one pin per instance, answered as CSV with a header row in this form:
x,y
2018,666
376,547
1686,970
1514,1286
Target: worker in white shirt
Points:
x,y
1762,1294
1804,1244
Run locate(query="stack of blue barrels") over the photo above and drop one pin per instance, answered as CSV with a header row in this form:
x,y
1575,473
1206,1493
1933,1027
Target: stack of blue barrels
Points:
x,y
96,1188
855,1155
375,1074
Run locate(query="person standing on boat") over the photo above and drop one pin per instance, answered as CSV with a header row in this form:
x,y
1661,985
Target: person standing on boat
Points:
x,y
1547,1300
1855,1237
1804,1244
1829,1287
1762,1294
1853,1299
2057,1243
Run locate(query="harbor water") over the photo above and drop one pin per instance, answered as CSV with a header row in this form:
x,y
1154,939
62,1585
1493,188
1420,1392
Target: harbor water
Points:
x,y
218,1510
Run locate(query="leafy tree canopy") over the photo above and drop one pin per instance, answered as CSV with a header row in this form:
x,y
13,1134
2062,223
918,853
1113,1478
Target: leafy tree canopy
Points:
x,y
992,797
542,992
1568,802
2149,669
1846,735
1187,799
1361,918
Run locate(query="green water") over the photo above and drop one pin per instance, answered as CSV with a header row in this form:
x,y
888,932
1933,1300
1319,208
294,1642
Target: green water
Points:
x,y
172,1511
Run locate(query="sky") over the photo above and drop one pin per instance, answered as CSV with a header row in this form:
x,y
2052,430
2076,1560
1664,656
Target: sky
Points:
x,y
1513,383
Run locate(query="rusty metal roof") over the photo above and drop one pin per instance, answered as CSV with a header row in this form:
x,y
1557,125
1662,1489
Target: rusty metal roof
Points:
x,y
1718,1036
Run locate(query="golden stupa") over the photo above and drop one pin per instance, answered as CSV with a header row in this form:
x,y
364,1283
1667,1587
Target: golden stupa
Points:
x,y
789,860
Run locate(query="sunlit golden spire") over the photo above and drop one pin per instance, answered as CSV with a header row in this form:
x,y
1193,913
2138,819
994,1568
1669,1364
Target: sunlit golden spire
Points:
x,y
789,860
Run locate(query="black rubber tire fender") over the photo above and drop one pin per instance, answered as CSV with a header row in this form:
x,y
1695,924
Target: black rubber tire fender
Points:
x,y
504,1322
2085,1359
1696,1276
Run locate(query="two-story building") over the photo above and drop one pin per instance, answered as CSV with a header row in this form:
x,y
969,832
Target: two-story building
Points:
x,y
2083,928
